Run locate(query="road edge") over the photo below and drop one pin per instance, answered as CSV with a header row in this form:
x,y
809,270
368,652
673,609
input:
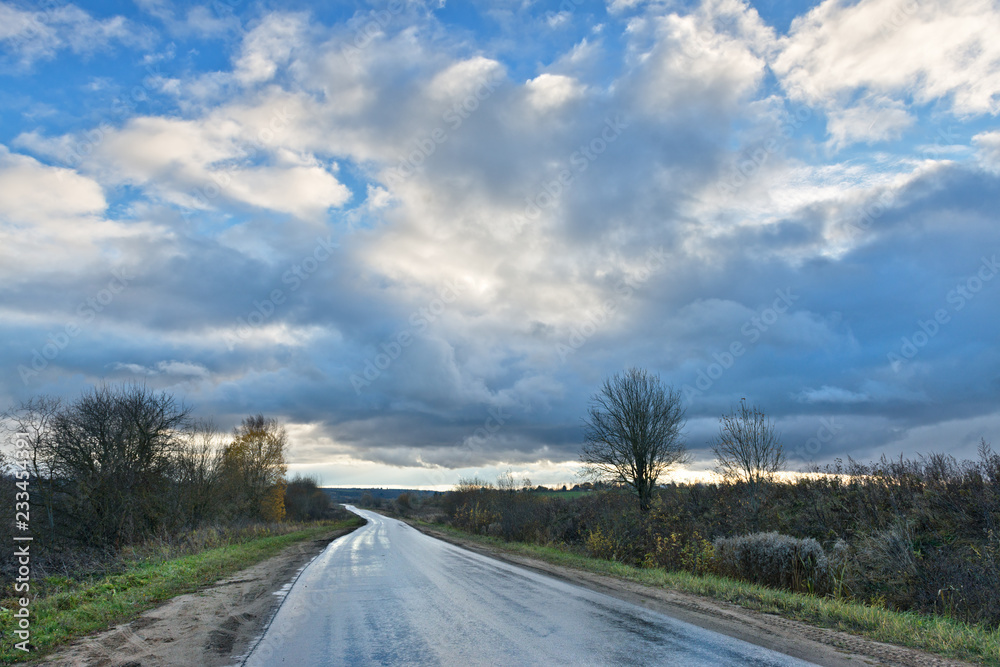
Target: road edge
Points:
x,y
288,586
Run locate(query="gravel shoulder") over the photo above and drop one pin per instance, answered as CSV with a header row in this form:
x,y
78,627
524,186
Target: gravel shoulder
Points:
x,y
795,638
213,627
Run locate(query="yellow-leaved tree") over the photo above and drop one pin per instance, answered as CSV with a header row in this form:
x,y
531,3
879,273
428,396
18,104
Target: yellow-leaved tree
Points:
x,y
253,469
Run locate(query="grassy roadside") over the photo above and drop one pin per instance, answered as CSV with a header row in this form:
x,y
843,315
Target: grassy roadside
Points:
x,y
934,634
76,608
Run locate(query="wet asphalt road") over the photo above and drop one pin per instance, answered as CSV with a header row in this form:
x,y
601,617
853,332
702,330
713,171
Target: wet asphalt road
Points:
x,y
387,594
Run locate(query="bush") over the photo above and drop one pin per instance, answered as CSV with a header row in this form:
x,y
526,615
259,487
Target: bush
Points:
x,y
774,560
475,517
675,551
305,501
884,568
601,546
403,503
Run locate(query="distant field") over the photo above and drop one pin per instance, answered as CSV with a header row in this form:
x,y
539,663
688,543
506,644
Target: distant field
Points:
x,y
568,495
353,494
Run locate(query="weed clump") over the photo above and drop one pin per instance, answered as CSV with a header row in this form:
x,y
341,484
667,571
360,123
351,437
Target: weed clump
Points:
x,y
775,560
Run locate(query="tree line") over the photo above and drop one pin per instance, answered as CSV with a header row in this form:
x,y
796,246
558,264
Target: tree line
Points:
x,y
123,463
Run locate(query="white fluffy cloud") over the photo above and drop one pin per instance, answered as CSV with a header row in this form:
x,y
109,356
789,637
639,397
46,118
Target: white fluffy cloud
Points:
x,y
50,218
207,162
463,78
551,91
713,57
269,46
886,53
303,191
34,194
39,35
874,118
988,145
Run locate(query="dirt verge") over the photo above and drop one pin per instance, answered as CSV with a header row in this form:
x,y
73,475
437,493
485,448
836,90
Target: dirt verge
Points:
x,y
210,628
795,638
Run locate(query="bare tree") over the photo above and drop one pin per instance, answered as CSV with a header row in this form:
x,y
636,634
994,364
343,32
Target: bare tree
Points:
x,y
32,421
117,446
748,450
198,474
634,432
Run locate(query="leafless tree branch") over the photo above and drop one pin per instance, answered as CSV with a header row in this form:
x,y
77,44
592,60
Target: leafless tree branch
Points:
x,y
634,432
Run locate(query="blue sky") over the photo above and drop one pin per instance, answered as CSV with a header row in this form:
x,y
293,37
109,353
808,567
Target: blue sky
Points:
x,y
421,234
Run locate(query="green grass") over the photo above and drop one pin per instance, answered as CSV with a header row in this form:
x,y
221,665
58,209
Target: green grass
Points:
x,y
568,495
68,608
935,634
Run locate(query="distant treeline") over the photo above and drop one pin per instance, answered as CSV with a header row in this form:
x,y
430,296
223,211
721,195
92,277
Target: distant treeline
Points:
x,y
367,495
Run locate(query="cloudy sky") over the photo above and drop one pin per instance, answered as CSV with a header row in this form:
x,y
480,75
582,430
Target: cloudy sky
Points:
x,y
421,234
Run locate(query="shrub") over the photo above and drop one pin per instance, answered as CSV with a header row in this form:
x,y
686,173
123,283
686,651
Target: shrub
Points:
x,y
403,503
884,567
475,517
774,560
675,551
306,501
601,546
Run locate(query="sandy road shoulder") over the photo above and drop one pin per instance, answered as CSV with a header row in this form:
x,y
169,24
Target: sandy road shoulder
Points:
x,y
210,628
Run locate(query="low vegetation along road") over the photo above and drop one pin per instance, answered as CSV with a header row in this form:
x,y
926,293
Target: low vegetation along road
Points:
x,y
388,594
